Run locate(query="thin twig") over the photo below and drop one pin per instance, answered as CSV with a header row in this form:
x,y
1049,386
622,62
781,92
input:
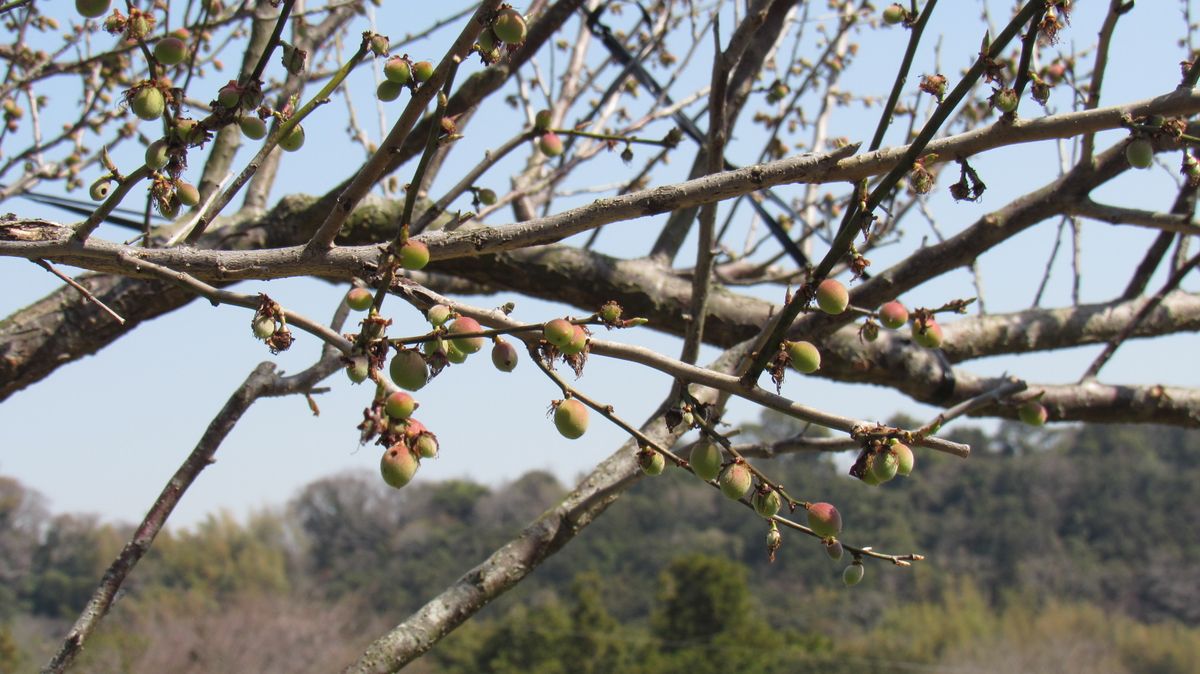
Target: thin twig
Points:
x,y
82,291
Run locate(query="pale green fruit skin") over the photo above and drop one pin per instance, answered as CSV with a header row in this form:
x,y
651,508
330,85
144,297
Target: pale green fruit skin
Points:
x,y
1033,413
509,26
578,342
652,463
824,520
358,370
148,103
893,14
893,315
832,296
263,327
1140,153
414,255
408,370
610,312
388,91
100,189
437,315
767,505
467,345
253,128
359,299
869,478
806,358
397,70
571,418
170,51
853,574
504,356
294,140
559,332
931,337
426,446
1006,100
92,8
904,458
706,460
884,465
398,466
156,155
454,355
735,481
422,70
187,193
399,405
834,550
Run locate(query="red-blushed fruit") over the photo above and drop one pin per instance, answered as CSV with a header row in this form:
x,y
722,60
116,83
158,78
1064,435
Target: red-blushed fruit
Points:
x,y
884,465
1005,100
187,193
767,504
1033,413
437,315
399,405
426,446
805,357
834,549
156,154
422,70
578,342
893,14
398,465
294,140
253,127
509,26
559,332
359,299
542,120
397,70
466,324
735,481
550,144
651,462
388,91
148,103
705,460
100,189
610,312
92,8
904,458
927,334
358,369
414,255
853,574
1140,153
262,326
824,520
504,356
408,370
832,296
170,51
893,315
571,418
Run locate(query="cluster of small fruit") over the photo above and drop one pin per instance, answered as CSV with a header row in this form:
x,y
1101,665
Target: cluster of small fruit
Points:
x,y
881,460
507,28
400,72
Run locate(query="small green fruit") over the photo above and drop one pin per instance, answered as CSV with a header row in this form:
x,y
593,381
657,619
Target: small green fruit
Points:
x,y
610,312
504,356
893,14
559,332
550,144
884,465
466,324
705,460
904,458
358,369
571,418
263,326
253,127
1140,153
486,41
422,70
156,154
397,70
398,465
359,299
834,549
426,446
824,520
542,120
414,255
805,357
509,26
487,197
578,342
399,405
148,103
651,462
735,481
869,478
92,8
408,370
379,45
170,209
1005,100
100,189
893,315
454,355
767,504
230,96
187,193
187,130
294,140
1033,413
388,91
927,334
853,574
438,314
170,51
832,296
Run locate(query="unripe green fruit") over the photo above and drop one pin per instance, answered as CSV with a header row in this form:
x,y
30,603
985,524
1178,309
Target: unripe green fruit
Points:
x,y
414,255
774,538
509,26
1140,153
422,70
359,299
156,155
397,70
930,337
263,326
610,312
438,314
465,324
487,197
388,90
559,332
853,574
869,478
170,51
893,14
1006,100
832,296
767,504
1033,413
893,315
398,466
187,130
904,458
230,96
834,549
379,45
171,208
504,356
550,144
651,462
805,357
91,8
100,189
187,193
253,127
486,41
824,520
358,369
399,405
542,120
408,370
426,446
870,330
884,465
294,140
454,355
705,460
148,103
571,418
735,481
578,342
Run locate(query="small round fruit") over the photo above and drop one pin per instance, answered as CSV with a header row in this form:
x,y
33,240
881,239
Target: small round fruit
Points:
x,y
1140,153
170,51
805,357
571,418
408,370
359,299
170,209
559,332
230,95
893,315
509,26
1033,413
550,144
893,14
426,446
542,120
927,334
767,504
705,460
92,8
735,481
487,197
397,70
578,342
398,465
399,405
466,324
148,103
1006,100
904,458
388,91
884,465
454,355
379,45
610,312
832,296
422,70
651,462
504,356
869,478
438,314
253,127
156,154
824,520
187,130
294,140
187,193
834,549
414,255
853,574
100,189
263,326
358,369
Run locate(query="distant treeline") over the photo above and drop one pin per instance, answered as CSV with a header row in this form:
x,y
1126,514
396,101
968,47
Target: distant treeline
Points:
x,y
1058,551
